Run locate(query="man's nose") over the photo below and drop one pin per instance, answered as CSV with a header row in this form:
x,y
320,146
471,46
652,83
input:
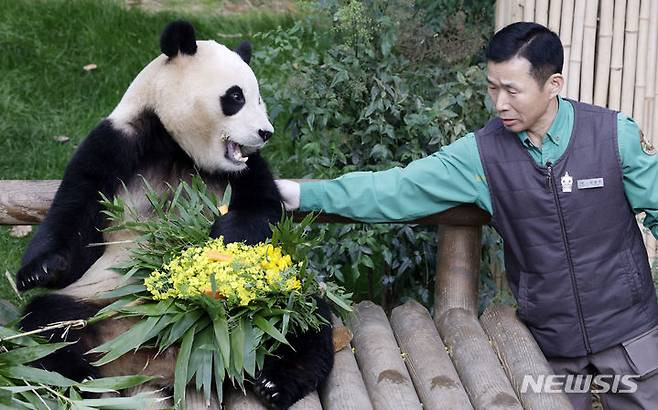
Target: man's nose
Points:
x,y
502,103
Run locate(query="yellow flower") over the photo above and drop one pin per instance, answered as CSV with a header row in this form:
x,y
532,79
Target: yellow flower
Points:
x,y
240,273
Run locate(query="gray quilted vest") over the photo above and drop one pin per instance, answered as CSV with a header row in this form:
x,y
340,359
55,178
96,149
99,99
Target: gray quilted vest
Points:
x,y
574,254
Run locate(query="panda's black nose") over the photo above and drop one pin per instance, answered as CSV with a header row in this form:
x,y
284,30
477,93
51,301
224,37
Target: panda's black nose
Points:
x,y
265,135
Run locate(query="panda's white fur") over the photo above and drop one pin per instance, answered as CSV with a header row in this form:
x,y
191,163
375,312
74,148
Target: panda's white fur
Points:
x,y
196,108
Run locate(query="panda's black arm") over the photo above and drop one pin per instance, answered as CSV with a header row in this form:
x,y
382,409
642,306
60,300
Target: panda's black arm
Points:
x,y
58,253
255,203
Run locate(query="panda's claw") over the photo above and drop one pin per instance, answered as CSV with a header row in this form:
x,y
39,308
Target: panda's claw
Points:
x,y
270,394
41,271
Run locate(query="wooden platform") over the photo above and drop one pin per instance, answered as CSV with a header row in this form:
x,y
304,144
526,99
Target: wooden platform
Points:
x,y
403,363
410,360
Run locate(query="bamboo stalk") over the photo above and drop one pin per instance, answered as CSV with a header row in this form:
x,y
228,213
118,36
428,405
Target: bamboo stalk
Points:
x,y
541,12
641,64
554,15
654,112
566,25
573,82
516,13
589,45
604,50
649,99
529,10
630,56
501,12
617,58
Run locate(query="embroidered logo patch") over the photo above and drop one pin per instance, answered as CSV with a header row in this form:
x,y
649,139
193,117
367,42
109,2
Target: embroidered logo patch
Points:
x,y
567,182
647,147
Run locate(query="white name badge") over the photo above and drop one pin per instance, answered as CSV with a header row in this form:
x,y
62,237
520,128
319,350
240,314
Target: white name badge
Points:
x,y
590,183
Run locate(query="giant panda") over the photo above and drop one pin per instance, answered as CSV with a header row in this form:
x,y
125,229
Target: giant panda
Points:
x,y
195,108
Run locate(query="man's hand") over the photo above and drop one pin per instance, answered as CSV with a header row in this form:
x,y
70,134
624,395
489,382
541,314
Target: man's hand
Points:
x,y
289,191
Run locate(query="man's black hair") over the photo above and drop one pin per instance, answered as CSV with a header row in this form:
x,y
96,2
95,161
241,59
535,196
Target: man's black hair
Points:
x,y
532,41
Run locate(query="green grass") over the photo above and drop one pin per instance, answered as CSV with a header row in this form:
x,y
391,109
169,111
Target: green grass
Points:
x,y
45,92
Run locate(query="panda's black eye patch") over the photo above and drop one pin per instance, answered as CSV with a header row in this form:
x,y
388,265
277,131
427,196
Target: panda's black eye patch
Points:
x,y
232,101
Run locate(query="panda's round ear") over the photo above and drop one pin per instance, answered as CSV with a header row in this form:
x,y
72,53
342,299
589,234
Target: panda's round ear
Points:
x,y
178,36
244,51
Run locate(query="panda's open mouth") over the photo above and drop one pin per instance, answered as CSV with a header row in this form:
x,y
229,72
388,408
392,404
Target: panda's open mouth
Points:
x,y
234,152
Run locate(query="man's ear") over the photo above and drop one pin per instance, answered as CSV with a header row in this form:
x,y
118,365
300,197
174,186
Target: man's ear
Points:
x,y
555,83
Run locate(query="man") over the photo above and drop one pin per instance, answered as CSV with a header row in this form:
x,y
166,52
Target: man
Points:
x,y
562,181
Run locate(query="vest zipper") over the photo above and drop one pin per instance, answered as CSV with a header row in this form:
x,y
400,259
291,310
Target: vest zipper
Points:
x,y
553,188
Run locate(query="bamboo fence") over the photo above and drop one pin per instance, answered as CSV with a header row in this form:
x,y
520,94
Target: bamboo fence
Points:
x,y
610,56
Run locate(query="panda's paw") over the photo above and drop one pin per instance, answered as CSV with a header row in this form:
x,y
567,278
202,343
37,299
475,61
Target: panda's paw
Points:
x,y
44,270
272,394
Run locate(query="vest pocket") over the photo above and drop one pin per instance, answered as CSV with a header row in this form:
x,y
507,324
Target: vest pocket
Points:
x,y
642,353
522,301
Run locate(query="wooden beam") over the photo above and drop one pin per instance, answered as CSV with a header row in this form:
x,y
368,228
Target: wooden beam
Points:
x,y
436,380
25,202
387,379
476,362
520,356
344,388
458,269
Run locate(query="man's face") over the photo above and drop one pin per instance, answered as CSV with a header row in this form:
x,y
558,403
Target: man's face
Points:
x,y
520,101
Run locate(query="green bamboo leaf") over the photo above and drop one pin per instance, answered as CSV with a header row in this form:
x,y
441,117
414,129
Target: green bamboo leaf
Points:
x,y
250,341
237,345
182,362
138,401
36,400
201,352
260,358
113,308
338,300
126,342
182,323
29,354
73,394
219,373
8,312
152,309
132,289
221,334
268,328
108,384
34,375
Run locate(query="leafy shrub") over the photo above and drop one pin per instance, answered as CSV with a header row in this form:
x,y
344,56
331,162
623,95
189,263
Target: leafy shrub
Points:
x,y
356,100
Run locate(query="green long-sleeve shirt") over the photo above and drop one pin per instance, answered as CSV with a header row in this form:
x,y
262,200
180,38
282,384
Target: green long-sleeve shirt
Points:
x,y
454,175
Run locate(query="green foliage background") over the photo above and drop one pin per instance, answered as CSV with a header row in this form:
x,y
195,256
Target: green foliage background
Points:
x,y
350,85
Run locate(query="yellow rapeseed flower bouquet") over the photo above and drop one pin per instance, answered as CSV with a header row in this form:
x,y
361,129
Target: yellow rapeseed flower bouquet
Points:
x,y
241,273
225,304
